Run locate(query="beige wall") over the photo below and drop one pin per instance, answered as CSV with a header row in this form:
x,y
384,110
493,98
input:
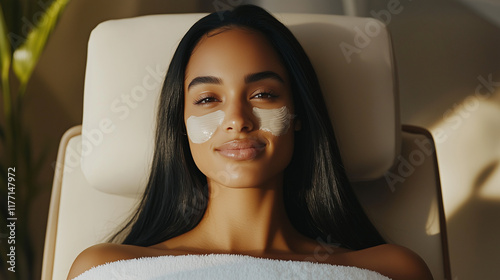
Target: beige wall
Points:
x,y
444,53
441,47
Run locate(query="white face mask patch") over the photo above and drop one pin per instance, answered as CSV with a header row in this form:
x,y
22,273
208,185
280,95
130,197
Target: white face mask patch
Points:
x,y
200,129
276,121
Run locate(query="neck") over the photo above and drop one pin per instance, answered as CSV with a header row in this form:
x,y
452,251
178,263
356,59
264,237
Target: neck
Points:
x,y
247,220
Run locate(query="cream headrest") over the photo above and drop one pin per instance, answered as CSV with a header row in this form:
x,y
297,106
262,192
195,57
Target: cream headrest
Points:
x,y
127,61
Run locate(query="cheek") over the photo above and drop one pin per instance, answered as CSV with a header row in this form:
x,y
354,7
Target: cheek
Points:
x,y
199,153
201,129
284,146
276,121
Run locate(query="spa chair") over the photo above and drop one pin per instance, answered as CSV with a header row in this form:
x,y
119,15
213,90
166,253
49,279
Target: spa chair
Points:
x,y
102,165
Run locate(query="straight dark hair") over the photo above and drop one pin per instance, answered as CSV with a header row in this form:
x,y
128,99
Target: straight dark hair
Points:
x,y
318,197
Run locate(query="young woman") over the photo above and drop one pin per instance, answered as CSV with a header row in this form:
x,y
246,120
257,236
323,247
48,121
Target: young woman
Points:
x,y
246,160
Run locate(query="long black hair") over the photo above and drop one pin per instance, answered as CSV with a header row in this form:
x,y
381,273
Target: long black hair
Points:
x,y
318,197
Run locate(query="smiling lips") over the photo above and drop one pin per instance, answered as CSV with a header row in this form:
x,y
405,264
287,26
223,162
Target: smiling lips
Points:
x,y
241,149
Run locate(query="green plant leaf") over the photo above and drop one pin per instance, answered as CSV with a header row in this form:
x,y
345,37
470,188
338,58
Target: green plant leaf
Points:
x,y
5,56
27,55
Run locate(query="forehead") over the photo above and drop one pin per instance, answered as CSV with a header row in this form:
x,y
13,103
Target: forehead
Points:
x,y
232,52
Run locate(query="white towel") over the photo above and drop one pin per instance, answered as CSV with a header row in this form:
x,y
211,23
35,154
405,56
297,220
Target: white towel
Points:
x,y
222,266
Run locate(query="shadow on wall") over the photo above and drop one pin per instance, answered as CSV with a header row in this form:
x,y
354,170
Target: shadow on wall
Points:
x,y
449,80
449,74
441,49
478,218
469,157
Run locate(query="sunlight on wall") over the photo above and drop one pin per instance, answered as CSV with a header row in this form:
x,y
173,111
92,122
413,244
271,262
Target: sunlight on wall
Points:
x,y
468,150
491,187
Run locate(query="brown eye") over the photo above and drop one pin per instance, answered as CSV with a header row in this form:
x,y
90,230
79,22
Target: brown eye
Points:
x,y
205,100
265,95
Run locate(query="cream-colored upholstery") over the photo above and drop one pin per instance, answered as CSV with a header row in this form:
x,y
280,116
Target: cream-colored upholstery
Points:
x,y
102,166
127,59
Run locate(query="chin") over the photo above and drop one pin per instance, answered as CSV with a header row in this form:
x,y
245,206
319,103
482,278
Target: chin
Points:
x,y
253,179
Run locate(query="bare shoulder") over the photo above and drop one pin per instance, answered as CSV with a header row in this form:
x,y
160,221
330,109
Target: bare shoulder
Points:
x,y
101,254
395,261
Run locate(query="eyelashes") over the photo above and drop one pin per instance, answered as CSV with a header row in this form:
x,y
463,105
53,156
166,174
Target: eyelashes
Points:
x,y
208,98
265,95
205,100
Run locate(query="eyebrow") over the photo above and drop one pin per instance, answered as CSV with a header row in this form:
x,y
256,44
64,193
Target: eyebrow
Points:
x,y
204,80
250,78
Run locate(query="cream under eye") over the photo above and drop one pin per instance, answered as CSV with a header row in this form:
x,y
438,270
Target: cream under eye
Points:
x,y
276,121
200,129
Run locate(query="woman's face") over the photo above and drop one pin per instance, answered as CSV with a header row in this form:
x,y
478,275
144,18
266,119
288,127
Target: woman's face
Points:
x,y
238,109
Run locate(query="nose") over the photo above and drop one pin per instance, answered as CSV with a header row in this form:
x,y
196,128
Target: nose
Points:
x,y
238,117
